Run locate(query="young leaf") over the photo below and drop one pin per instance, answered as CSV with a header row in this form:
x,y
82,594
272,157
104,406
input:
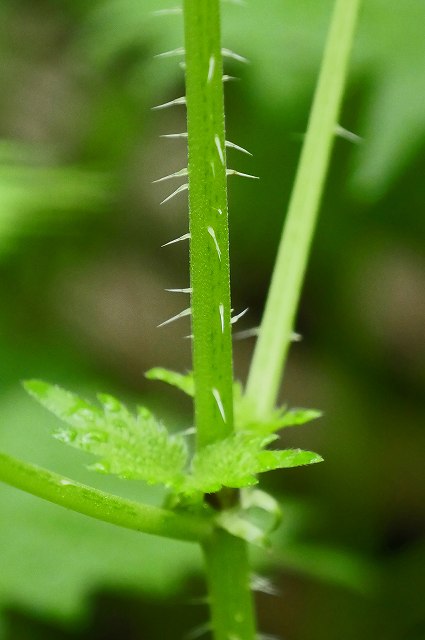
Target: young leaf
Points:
x,y
237,460
183,382
231,462
294,417
282,418
130,447
277,419
285,459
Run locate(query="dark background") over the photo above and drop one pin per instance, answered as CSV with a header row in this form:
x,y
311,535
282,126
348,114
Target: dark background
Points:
x,y
82,291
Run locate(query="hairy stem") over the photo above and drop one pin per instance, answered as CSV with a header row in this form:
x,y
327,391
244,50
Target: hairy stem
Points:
x,y
230,597
100,505
278,321
226,556
209,244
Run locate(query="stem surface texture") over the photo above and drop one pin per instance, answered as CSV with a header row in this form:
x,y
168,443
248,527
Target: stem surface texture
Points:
x,y
230,595
209,244
226,556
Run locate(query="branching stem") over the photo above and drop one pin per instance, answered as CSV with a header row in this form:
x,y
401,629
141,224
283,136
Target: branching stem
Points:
x,y
100,505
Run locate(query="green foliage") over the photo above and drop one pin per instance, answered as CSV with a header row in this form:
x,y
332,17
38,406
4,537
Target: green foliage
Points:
x,y
243,410
181,381
246,419
68,557
51,195
141,448
130,447
104,556
236,460
391,121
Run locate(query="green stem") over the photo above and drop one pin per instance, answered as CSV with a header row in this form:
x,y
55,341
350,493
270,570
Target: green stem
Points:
x,y
209,244
226,556
231,602
100,505
279,315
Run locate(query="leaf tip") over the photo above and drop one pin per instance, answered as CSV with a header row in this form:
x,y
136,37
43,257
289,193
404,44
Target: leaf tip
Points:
x,y
36,388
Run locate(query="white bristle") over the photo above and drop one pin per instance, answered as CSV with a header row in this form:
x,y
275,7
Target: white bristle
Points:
x,y
236,318
186,236
213,236
177,174
182,314
183,187
221,311
232,145
233,172
211,67
217,397
171,54
219,149
171,103
186,290
228,53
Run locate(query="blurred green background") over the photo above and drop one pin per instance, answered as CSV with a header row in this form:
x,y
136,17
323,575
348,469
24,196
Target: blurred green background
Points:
x,y
82,291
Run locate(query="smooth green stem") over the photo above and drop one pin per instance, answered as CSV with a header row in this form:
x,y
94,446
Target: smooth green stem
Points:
x,y
100,505
279,316
231,601
209,244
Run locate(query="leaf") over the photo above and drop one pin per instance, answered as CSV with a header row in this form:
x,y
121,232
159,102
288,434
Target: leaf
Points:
x,y
237,460
285,459
389,43
67,556
294,417
277,419
183,382
230,462
130,447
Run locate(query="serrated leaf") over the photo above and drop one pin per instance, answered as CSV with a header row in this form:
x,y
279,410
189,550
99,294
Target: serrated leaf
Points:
x,y
283,418
285,459
277,419
184,382
68,556
231,462
128,446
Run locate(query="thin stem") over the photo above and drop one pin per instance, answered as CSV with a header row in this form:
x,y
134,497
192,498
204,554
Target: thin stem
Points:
x,y
231,601
100,505
279,315
209,244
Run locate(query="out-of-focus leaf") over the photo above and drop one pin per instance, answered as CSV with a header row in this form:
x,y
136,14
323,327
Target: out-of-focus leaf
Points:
x,y
184,382
388,46
329,564
34,198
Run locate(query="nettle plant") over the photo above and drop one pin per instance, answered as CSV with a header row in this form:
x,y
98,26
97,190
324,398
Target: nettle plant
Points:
x,y
211,481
